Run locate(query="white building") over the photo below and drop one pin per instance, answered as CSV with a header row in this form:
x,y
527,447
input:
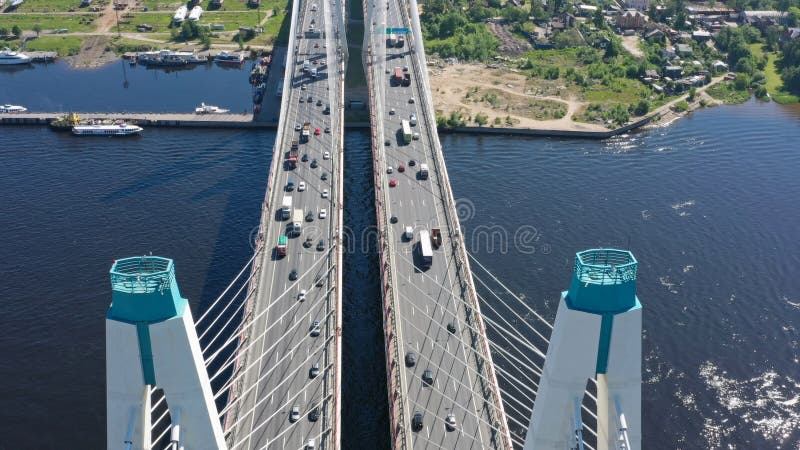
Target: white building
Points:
x,y
641,5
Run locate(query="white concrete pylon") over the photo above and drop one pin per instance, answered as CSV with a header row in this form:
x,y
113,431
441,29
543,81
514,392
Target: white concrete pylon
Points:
x,y
597,334
151,341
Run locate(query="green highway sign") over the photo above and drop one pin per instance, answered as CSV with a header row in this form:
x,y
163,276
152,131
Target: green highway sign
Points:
x,y
397,31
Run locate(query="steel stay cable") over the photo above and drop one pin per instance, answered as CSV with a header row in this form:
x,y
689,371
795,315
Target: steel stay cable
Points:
x,y
269,350
546,340
208,311
277,411
509,291
506,354
272,391
277,321
230,318
321,401
273,303
491,322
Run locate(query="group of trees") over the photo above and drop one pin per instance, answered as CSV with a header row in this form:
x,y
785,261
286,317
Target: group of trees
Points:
x,y
16,31
790,66
451,31
190,30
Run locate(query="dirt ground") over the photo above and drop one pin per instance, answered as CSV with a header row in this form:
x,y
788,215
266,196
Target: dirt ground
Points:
x,y
451,84
93,53
631,44
510,44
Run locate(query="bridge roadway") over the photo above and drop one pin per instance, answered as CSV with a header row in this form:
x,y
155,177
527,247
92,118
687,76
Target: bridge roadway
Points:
x,y
419,303
279,350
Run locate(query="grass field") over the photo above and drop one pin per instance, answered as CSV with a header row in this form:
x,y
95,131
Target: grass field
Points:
x,y
725,92
64,45
775,84
73,22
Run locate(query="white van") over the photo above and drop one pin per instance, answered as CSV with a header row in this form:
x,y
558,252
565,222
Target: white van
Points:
x,y
314,7
314,72
306,65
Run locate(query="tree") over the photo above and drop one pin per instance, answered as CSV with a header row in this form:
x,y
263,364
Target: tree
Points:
x,y
641,108
791,79
598,19
16,31
692,94
772,37
568,38
614,48
793,18
37,28
3,31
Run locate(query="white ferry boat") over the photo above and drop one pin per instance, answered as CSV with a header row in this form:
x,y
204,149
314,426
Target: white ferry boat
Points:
x,y
210,109
12,109
122,129
224,57
8,57
180,14
195,14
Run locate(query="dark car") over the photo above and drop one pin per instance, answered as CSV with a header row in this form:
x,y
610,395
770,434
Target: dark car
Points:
x,y
451,327
319,280
411,359
302,100
310,99
308,242
310,216
319,102
314,164
313,416
324,175
393,219
314,371
412,163
427,377
293,275
387,142
401,168
321,245
416,421
305,157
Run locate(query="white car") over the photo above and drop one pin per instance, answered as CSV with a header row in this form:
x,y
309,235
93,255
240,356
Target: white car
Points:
x,y
324,193
389,169
326,155
325,45
297,127
323,213
411,100
301,296
301,187
391,112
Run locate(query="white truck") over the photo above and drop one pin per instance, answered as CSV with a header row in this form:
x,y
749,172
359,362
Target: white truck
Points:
x,y
423,171
286,207
425,248
297,222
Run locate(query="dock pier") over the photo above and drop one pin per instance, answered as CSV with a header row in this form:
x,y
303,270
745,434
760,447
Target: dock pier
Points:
x,y
171,120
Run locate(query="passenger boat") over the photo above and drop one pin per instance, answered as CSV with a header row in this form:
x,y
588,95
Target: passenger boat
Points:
x,y
12,109
169,58
180,14
8,57
15,3
224,57
121,129
210,109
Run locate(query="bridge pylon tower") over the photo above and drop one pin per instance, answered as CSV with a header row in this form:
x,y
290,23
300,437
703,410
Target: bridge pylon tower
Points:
x,y
151,341
597,334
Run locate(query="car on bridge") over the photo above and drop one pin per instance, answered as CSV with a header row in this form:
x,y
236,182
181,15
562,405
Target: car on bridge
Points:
x,y
314,371
313,416
427,377
326,155
294,414
417,421
293,274
450,422
301,296
301,186
323,213
314,330
393,182
411,359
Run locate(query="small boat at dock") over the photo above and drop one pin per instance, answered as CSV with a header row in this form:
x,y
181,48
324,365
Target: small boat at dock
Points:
x,y
118,129
9,57
224,57
15,3
12,109
210,109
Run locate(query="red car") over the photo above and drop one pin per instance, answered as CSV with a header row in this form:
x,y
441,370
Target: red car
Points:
x,y
401,168
393,182
316,132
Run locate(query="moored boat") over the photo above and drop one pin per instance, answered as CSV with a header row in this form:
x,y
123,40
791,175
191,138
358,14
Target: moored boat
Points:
x,y
210,109
121,129
12,109
224,57
8,57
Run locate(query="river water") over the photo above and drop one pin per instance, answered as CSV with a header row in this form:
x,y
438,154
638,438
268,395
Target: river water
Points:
x,y
709,206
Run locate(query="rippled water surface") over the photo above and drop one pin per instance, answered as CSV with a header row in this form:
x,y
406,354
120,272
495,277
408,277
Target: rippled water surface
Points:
x,y
709,206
